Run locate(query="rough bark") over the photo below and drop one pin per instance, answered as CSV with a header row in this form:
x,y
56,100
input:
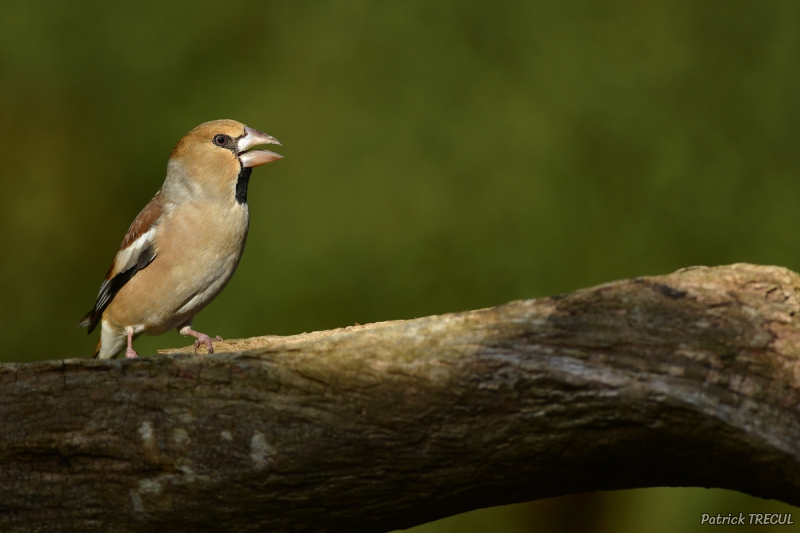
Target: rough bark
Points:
x,y
690,379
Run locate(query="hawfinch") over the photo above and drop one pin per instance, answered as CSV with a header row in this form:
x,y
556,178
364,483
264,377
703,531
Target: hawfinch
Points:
x,y
182,249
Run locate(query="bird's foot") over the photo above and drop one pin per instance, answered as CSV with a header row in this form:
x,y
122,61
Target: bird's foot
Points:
x,y
205,339
202,338
130,353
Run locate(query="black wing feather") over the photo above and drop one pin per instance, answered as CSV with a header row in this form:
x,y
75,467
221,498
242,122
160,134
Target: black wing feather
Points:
x,y
111,287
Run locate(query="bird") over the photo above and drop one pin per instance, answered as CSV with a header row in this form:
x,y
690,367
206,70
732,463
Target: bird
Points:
x,y
184,246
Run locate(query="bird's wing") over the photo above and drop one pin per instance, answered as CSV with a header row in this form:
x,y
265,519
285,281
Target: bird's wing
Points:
x,y
138,249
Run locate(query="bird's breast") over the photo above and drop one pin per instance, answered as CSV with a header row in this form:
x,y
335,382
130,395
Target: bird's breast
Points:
x,y
205,242
198,247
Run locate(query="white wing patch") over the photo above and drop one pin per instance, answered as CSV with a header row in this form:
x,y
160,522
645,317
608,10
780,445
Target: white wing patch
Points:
x,y
127,261
130,256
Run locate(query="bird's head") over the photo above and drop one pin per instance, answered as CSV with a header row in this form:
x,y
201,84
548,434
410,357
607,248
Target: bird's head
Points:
x,y
213,154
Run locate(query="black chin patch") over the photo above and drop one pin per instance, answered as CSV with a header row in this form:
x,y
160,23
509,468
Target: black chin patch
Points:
x,y
241,184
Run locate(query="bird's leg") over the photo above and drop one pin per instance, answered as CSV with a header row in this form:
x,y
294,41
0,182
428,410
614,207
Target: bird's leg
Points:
x,y
201,338
130,353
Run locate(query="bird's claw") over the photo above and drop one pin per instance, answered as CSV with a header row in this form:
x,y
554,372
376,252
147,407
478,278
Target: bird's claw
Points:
x,y
130,353
205,339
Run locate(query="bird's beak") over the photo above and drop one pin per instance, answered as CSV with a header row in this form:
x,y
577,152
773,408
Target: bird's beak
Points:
x,y
255,158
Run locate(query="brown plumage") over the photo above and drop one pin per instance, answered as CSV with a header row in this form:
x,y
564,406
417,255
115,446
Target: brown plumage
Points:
x,y
184,246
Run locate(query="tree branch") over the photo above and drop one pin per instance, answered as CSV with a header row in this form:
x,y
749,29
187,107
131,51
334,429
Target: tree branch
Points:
x,y
690,379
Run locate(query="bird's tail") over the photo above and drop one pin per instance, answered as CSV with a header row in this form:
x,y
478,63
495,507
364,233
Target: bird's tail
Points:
x,y
86,320
90,320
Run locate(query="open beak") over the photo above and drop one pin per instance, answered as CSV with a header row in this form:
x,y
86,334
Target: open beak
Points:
x,y
255,158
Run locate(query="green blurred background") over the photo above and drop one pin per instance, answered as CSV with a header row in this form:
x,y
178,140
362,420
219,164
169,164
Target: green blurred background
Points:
x,y
440,156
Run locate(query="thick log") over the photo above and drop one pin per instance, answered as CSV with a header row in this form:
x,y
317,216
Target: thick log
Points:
x,y
690,379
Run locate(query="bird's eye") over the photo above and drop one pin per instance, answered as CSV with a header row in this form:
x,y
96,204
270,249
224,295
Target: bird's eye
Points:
x,y
220,140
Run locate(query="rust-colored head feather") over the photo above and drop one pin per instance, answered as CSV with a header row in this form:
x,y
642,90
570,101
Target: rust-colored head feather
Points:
x,y
209,155
214,153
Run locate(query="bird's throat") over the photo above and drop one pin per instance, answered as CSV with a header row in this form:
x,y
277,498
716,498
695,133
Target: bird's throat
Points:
x,y
241,184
